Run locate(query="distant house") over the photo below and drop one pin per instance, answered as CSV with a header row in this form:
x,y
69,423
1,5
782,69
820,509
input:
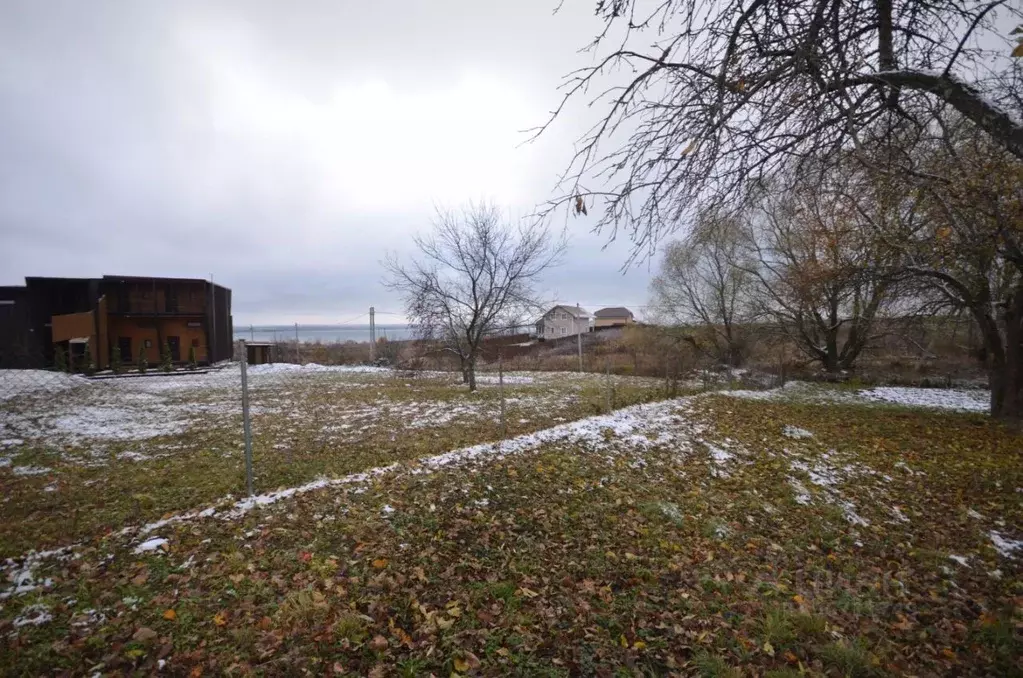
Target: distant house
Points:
x,y
136,315
563,321
613,316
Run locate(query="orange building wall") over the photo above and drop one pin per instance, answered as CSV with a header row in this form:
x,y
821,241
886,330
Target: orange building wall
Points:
x,y
99,350
156,331
130,327
179,327
73,325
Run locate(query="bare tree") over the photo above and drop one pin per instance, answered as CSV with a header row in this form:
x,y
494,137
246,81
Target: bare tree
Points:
x,y
704,98
824,276
475,276
706,285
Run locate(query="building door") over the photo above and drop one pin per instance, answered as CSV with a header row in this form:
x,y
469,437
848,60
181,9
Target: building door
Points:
x,y
124,346
174,343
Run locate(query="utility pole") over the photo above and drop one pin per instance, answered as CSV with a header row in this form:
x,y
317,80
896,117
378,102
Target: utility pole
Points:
x,y
252,333
579,337
372,334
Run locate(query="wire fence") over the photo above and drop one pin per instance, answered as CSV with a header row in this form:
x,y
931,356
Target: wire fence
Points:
x,y
266,420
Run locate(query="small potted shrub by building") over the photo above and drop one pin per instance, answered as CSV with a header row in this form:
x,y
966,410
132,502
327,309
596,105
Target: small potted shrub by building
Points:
x,y
88,366
142,363
115,360
192,364
165,358
60,359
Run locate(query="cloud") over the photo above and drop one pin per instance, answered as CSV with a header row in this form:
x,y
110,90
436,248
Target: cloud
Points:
x,y
283,148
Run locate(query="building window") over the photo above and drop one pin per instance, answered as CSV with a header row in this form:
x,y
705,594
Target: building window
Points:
x,y
564,330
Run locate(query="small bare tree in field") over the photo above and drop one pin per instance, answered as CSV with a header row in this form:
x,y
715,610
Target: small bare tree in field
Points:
x,y
706,285
475,274
823,276
704,99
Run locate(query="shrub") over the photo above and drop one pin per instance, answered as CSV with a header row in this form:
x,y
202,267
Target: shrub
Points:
x,y
192,364
115,360
165,358
88,365
142,363
60,362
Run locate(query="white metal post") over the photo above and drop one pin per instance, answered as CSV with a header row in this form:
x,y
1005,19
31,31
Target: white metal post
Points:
x,y
372,334
246,424
500,386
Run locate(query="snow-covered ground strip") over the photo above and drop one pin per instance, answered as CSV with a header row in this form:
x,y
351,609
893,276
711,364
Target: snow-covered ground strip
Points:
x,y
20,383
637,427
91,415
947,399
90,418
964,400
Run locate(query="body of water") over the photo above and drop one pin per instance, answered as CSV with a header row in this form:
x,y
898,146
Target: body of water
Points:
x,y
326,334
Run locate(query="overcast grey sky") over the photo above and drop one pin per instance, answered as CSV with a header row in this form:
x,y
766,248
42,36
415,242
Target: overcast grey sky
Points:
x,y
281,147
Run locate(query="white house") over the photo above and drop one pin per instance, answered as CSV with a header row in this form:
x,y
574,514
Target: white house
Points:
x,y
563,321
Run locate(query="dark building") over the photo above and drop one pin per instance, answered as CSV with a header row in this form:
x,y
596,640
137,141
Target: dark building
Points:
x,y
132,314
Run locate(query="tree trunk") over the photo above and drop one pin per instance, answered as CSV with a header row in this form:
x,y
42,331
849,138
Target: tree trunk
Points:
x,y
831,354
471,373
1007,374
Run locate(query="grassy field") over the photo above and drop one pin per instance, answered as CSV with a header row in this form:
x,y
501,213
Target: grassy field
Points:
x,y
96,456
711,535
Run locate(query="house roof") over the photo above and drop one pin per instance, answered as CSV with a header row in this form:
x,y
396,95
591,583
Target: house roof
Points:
x,y
613,312
146,278
576,311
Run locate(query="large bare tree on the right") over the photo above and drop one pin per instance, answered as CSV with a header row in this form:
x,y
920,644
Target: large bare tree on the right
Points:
x,y
700,99
955,213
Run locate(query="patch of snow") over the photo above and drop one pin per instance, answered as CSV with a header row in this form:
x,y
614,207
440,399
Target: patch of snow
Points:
x,y
21,572
19,383
964,400
33,615
796,432
719,455
508,379
387,509
973,514
946,399
1005,546
670,511
134,456
150,545
961,560
802,494
31,470
899,515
